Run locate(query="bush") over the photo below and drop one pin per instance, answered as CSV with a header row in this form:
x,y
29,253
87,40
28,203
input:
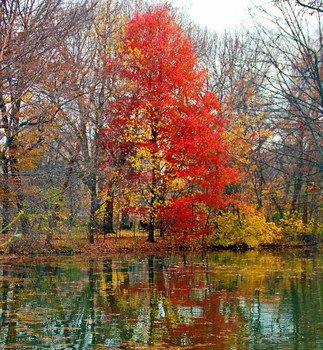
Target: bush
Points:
x,y
294,230
248,227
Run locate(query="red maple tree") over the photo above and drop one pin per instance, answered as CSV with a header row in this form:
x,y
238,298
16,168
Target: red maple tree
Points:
x,y
169,125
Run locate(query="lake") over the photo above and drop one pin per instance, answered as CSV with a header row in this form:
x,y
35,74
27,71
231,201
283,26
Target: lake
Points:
x,y
215,300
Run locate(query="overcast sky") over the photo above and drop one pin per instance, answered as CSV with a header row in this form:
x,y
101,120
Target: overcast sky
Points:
x,y
216,14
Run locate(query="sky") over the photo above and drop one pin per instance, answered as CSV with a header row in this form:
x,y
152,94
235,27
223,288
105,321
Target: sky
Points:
x,y
216,14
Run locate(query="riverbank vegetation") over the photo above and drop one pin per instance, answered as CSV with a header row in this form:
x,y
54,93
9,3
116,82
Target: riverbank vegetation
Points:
x,y
126,117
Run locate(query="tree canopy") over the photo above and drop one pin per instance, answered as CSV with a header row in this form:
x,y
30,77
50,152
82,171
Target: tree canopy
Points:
x,y
171,126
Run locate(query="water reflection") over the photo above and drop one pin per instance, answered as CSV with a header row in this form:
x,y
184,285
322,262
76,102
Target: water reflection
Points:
x,y
250,300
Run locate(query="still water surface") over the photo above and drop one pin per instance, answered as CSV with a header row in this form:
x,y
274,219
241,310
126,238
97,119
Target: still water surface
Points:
x,y
222,300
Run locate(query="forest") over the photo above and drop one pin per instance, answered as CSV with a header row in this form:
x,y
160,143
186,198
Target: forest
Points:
x,y
126,116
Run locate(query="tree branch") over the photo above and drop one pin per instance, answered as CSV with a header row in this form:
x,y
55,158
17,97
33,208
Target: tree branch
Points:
x,y
319,9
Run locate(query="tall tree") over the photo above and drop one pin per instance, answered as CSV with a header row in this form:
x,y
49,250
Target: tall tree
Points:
x,y
87,88
30,35
171,133
291,43
234,62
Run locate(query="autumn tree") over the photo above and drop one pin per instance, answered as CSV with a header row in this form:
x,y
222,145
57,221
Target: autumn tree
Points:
x,y
31,32
86,91
83,88
171,132
291,42
234,62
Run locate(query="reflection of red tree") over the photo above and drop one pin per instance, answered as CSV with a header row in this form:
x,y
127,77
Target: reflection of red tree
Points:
x,y
182,306
188,289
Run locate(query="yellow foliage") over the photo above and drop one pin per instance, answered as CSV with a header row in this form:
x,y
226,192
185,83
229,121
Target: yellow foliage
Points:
x,y
294,229
178,185
245,228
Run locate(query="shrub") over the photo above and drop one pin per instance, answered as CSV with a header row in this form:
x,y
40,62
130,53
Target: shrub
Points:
x,y
246,227
293,228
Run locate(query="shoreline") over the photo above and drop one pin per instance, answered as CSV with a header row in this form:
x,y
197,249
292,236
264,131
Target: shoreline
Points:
x,y
133,245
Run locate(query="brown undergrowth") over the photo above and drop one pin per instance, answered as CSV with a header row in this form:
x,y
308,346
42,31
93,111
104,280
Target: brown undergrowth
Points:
x,y
123,242
139,244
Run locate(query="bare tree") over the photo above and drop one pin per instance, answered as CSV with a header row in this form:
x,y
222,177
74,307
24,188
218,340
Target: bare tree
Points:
x,y
31,33
291,43
237,71
89,84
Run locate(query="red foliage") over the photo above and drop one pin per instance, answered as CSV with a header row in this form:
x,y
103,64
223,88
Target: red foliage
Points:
x,y
165,95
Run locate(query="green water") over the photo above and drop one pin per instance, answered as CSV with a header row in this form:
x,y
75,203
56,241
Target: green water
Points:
x,y
226,300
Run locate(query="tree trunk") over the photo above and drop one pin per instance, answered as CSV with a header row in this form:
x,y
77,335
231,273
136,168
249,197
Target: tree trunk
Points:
x,y
5,197
5,166
153,198
24,221
151,232
162,229
93,225
108,215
